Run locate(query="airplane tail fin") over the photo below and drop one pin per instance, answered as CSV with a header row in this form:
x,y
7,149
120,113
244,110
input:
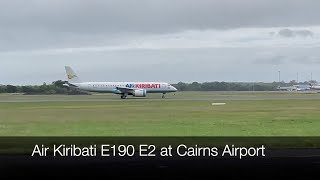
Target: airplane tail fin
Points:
x,y
72,76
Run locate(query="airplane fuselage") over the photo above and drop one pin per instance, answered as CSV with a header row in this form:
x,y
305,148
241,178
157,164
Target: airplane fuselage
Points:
x,y
317,87
137,89
112,87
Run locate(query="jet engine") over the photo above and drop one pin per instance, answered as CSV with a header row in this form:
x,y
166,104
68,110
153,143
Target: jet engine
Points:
x,y
139,93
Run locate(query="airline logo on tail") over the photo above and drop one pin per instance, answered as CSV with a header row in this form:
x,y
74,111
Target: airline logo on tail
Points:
x,y
70,76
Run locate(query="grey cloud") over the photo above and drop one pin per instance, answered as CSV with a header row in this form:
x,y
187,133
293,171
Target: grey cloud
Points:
x,y
304,33
294,33
286,33
60,23
154,16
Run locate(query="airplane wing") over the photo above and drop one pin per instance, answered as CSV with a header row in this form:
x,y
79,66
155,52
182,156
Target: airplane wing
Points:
x,y
67,84
124,89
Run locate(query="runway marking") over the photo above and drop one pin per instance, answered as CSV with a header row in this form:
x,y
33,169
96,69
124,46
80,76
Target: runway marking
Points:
x,y
218,104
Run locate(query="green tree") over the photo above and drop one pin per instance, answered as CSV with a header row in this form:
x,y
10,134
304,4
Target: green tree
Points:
x,y
3,89
11,89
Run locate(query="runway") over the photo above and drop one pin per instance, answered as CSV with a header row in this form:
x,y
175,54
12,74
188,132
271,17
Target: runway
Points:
x,y
102,99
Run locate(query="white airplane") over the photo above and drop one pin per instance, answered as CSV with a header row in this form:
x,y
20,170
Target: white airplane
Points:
x,y
137,89
315,86
288,88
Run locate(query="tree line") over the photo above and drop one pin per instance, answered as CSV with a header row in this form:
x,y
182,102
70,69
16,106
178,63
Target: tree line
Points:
x,y
226,86
57,87
237,86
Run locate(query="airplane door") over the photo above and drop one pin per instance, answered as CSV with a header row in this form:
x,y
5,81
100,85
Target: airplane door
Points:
x,y
163,86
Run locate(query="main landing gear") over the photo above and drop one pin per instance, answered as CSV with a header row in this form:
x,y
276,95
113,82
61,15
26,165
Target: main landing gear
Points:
x,y
124,96
163,95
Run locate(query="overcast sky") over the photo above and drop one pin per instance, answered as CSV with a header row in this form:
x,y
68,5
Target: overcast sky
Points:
x,y
159,40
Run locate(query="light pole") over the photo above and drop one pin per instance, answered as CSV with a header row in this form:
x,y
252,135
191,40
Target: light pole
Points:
x,y
279,77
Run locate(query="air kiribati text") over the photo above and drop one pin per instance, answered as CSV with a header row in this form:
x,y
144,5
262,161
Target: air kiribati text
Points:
x,y
143,85
147,150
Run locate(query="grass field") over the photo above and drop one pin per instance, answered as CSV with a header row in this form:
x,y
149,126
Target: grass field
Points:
x,y
178,95
162,118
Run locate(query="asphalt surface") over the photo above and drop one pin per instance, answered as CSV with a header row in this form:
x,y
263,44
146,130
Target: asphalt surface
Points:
x,y
102,99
